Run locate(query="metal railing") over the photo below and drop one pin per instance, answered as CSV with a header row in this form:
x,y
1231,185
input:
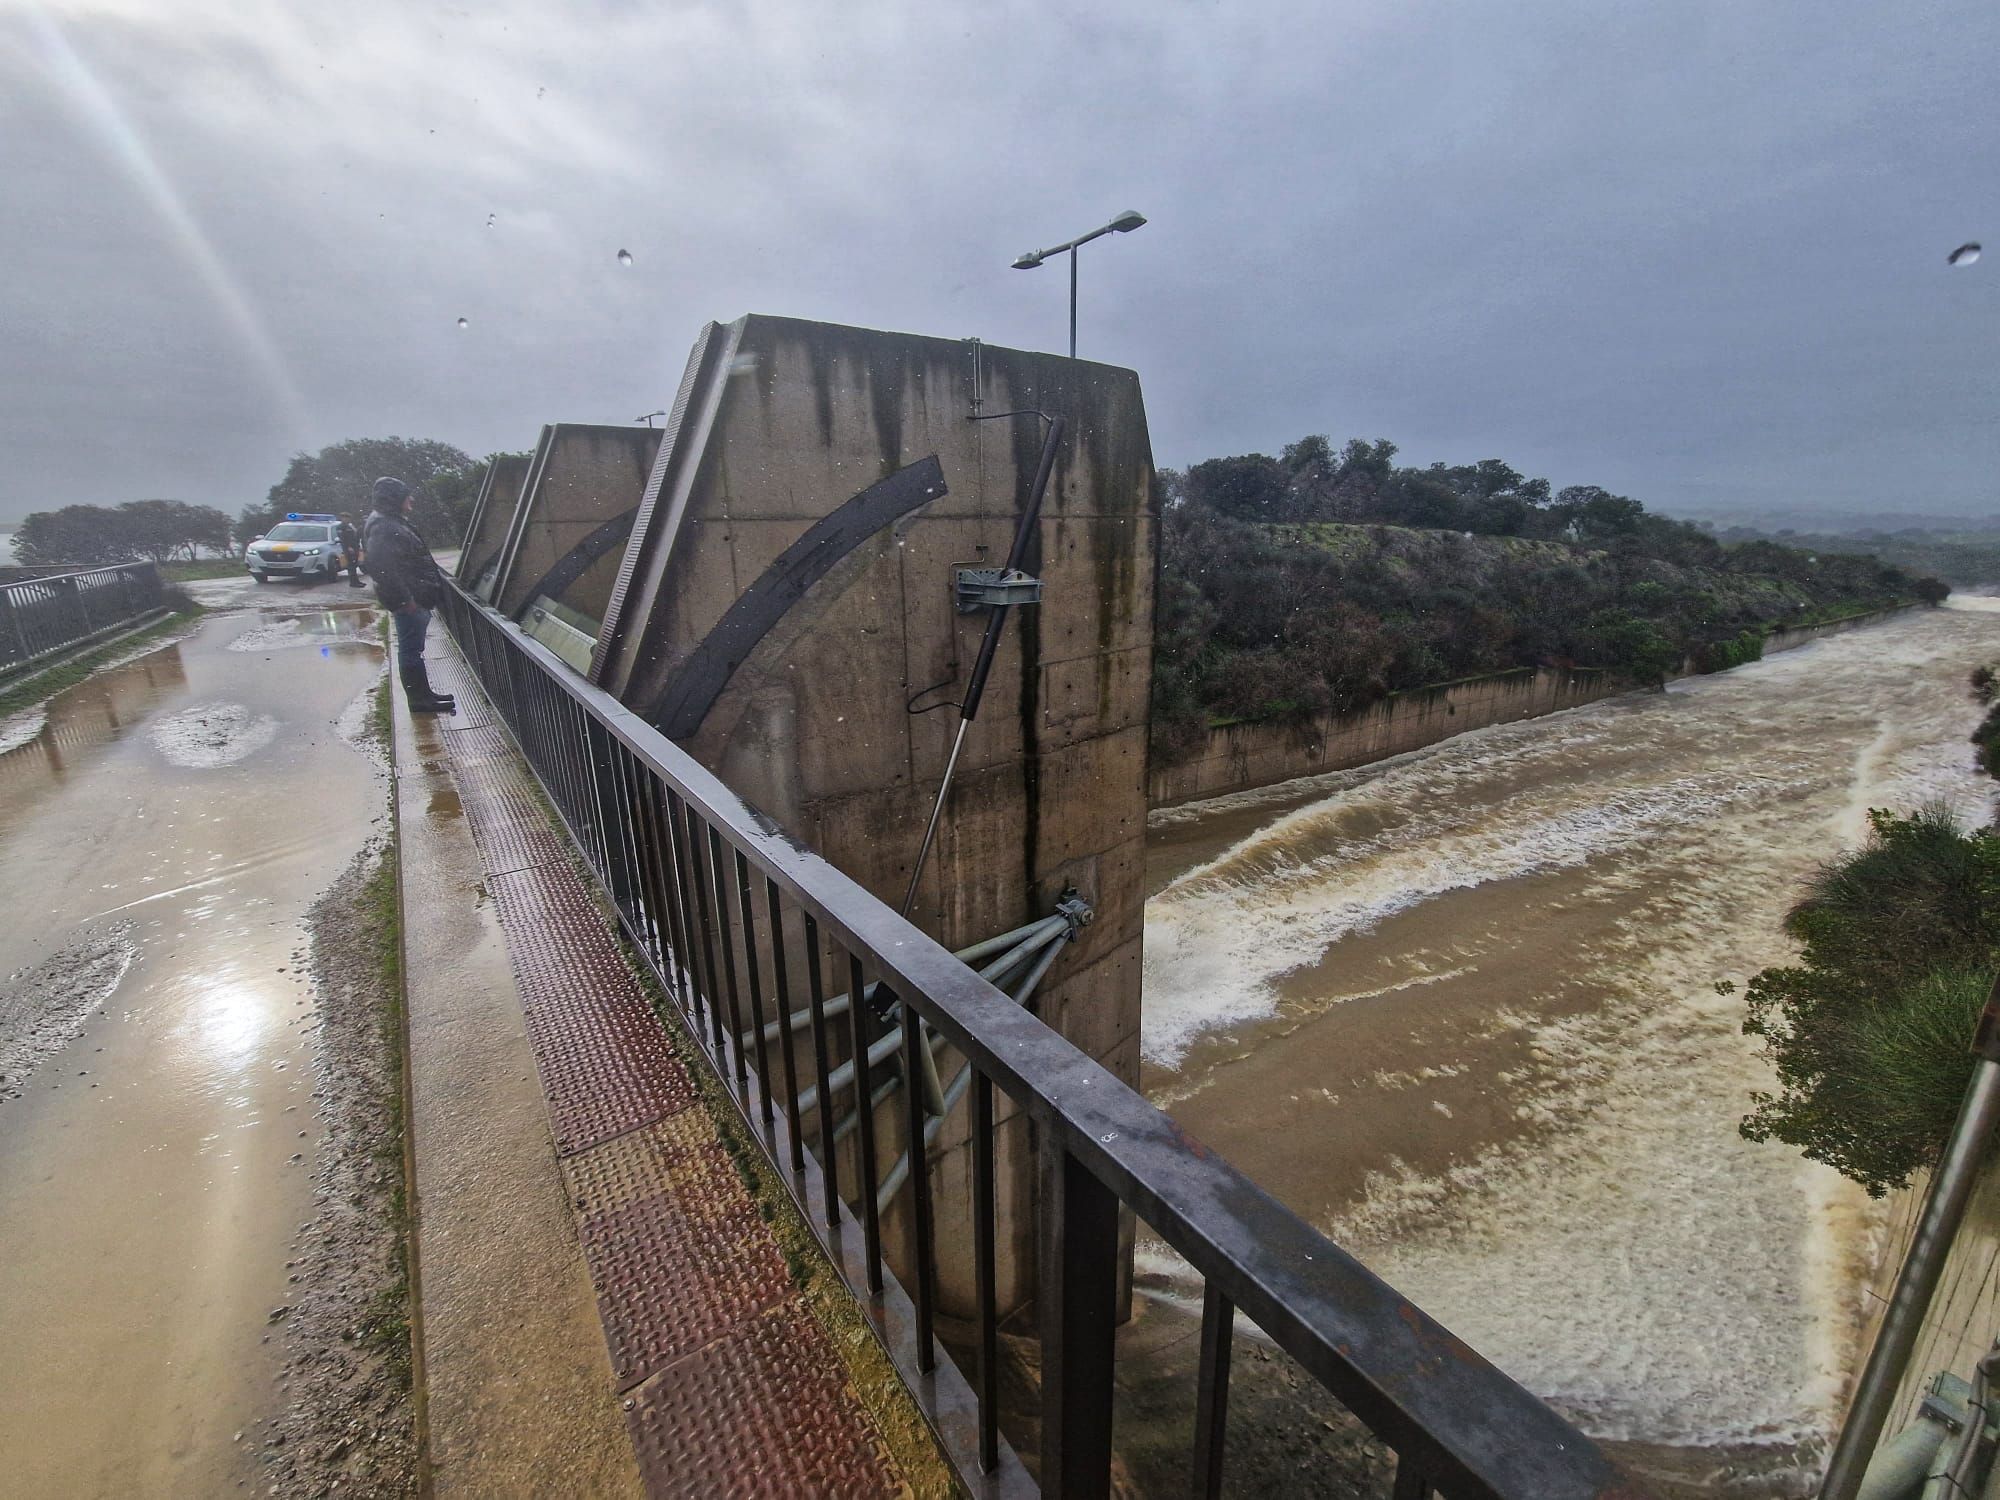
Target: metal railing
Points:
x,y
39,616
736,920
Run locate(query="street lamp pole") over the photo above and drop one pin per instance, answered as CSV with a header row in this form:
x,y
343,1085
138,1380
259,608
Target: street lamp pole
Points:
x,y
1125,223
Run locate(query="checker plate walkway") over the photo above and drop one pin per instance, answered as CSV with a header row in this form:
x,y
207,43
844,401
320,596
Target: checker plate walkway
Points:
x,y
731,1384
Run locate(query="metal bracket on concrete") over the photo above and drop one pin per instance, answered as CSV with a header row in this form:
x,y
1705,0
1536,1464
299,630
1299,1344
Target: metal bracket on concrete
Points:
x,y
981,588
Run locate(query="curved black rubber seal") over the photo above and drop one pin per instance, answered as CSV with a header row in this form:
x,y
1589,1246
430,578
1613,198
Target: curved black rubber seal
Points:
x,y
679,710
574,563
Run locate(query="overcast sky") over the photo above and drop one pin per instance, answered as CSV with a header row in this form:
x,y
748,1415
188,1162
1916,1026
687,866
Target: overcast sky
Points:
x,y
1695,253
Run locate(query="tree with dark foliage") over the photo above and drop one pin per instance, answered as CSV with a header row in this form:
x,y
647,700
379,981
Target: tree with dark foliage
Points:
x,y
340,478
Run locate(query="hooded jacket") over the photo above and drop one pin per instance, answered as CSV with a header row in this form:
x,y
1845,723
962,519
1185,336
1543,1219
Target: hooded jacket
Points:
x,y
400,563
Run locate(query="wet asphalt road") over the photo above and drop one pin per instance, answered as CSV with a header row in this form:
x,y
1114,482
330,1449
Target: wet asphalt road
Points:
x,y
178,815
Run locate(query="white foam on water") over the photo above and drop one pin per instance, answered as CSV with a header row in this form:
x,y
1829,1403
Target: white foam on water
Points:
x,y
1219,938
211,735
1627,1254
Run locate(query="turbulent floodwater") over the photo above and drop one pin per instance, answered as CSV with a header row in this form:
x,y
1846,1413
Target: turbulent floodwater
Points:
x,y
1459,1010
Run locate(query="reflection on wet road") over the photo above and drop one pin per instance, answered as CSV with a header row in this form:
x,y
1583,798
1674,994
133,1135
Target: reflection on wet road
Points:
x,y
161,839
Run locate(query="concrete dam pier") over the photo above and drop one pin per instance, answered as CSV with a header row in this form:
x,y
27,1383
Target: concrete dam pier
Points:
x,y
838,684
771,581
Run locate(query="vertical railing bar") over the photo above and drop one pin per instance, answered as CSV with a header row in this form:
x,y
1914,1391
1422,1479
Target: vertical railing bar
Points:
x,y
922,1249
829,1164
984,1233
621,798
721,873
711,990
1211,1411
676,974
690,974
864,1116
638,789
1076,1290
744,905
781,995
1411,1481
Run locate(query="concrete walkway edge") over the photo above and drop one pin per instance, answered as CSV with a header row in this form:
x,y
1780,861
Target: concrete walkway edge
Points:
x,y
515,1387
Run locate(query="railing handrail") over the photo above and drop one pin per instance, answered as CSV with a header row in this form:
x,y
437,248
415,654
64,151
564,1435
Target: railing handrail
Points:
x,y
75,572
1476,1431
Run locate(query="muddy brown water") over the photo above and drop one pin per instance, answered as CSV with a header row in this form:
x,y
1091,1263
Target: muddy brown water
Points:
x,y
1458,1010
155,1167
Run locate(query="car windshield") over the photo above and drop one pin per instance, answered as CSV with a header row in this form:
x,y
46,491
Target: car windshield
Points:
x,y
293,531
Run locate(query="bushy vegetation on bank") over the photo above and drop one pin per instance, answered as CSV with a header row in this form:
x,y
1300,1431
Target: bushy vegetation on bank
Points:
x,y
1320,582
1869,1031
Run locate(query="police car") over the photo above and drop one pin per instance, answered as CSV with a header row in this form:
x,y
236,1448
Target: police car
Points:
x,y
303,545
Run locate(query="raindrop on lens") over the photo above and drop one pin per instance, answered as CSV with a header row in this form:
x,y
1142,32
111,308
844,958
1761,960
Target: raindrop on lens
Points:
x,y
1964,255
462,323
624,257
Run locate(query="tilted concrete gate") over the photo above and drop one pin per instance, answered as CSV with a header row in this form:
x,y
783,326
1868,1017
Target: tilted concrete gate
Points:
x,y
785,610
492,518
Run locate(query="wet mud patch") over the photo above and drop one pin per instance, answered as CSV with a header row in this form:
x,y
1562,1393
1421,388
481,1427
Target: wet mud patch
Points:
x,y
19,729
211,735
44,1006
348,1424
361,724
322,630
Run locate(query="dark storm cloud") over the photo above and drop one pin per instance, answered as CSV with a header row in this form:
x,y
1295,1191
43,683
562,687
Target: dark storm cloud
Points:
x,y
1695,253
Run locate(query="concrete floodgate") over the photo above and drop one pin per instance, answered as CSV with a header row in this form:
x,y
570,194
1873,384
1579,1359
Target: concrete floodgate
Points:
x,y
614,1297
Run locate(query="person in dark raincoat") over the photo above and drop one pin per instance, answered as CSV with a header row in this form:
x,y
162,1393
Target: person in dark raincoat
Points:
x,y
409,584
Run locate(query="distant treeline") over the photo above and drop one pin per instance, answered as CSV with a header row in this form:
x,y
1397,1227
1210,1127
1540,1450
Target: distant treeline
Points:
x,y
1323,580
91,534
1964,559
334,480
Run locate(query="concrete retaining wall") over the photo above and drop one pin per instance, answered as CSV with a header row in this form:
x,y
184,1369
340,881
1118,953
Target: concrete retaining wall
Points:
x,y
1239,757
1961,1324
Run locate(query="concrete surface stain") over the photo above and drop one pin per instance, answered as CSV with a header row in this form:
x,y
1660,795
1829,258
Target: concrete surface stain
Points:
x,y
152,1173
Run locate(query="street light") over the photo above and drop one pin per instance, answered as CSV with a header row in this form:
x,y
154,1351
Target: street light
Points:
x,y
1125,223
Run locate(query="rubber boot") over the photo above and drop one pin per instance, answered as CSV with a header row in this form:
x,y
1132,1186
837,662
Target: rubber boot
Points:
x,y
417,685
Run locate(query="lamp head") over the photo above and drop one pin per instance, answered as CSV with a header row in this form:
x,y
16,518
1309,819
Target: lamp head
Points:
x,y
1029,261
1128,221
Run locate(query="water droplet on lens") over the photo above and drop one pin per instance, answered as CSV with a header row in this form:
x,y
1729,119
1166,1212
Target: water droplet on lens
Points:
x,y
462,323
489,221
1965,254
624,257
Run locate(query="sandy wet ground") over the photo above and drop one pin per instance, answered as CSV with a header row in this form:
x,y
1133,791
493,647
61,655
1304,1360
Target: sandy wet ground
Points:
x,y
161,840
1458,1010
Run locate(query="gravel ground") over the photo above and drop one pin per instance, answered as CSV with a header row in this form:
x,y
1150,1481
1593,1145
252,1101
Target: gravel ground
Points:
x,y
348,1425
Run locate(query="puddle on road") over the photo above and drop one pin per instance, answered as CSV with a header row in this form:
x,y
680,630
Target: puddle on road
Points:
x,y
321,630
86,718
158,1161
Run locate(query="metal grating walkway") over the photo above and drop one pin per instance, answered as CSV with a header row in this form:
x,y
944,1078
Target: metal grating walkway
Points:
x,y
732,1385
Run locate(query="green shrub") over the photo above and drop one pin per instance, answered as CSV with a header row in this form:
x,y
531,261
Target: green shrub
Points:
x,y
1868,1032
